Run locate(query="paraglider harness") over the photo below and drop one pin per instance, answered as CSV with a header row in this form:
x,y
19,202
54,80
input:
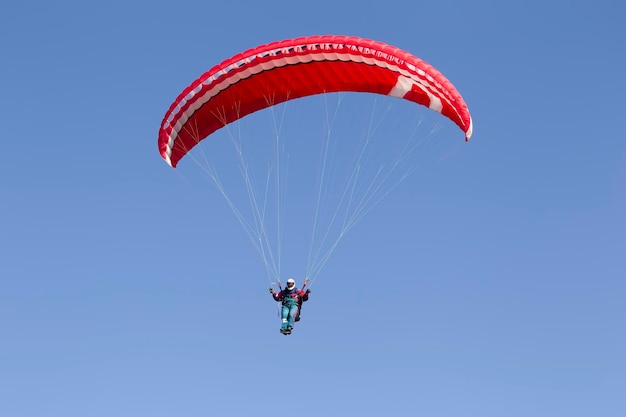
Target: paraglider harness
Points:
x,y
300,301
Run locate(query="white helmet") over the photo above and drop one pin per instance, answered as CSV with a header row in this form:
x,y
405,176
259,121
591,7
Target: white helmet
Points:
x,y
291,283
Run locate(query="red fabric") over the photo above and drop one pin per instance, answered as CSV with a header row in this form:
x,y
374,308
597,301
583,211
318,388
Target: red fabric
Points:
x,y
281,71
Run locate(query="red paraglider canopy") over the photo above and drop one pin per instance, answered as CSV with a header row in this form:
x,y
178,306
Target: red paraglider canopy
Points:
x,y
271,74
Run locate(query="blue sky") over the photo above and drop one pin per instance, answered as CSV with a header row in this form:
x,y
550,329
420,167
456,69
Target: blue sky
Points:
x,y
493,285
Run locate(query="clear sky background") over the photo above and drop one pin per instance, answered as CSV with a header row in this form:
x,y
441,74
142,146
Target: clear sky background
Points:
x,y
495,288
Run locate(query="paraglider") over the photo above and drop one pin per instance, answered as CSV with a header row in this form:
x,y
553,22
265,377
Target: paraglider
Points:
x,y
291,299
278,72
